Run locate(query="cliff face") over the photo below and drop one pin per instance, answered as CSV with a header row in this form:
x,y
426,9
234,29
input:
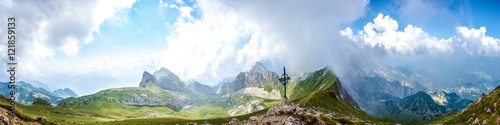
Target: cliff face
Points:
x,y
258,76
147,77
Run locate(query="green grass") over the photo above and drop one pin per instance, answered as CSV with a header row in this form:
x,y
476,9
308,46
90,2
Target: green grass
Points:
x,y
50,114
442,119
315,82
478,110
268,88
117,94
206,111
326,102
183,121
110,112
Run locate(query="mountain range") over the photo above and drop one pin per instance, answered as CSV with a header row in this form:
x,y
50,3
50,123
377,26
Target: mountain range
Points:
x,y
26,93
422,106
374,86
255,96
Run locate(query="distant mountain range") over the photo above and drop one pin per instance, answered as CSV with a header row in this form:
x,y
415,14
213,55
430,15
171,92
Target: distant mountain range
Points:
x,y
26,93
374,87
434,74
422,106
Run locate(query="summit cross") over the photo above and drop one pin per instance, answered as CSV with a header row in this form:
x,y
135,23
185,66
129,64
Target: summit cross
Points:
x,y
284,80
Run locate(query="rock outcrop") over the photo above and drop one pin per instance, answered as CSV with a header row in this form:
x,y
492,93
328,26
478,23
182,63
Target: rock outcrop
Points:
x,y
450,100
282,115
249,107
147,77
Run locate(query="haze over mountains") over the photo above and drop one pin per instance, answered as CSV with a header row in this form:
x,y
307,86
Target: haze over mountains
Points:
x,y
372,86
26,93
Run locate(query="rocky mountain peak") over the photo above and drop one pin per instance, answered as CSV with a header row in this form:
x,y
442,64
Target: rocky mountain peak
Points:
x,y
258,76
147,77
258,67
439,97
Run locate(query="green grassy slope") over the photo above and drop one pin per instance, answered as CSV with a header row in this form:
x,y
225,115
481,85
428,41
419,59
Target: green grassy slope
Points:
x,y
482,111
324,94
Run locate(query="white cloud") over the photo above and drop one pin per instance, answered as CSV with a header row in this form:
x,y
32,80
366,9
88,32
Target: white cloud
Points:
x,y
179,1
71,47
46,28
186,12
163,4
126,69
51,26
475,41
383,34
231,35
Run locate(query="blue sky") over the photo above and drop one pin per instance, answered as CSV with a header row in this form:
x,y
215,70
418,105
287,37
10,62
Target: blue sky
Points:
x,y
116,41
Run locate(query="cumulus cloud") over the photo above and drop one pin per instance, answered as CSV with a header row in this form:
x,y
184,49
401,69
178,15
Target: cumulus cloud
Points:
x,y
383,35
52,26
231,35
45,28
475,41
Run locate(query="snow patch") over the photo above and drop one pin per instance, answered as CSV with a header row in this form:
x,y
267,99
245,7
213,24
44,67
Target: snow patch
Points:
x,y
440,99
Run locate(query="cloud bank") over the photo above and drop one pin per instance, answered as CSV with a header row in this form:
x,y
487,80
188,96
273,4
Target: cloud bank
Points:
x,y
231,35
46,29
382,35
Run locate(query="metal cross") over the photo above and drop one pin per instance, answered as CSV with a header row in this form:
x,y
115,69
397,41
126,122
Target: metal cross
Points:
x,y
284,80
